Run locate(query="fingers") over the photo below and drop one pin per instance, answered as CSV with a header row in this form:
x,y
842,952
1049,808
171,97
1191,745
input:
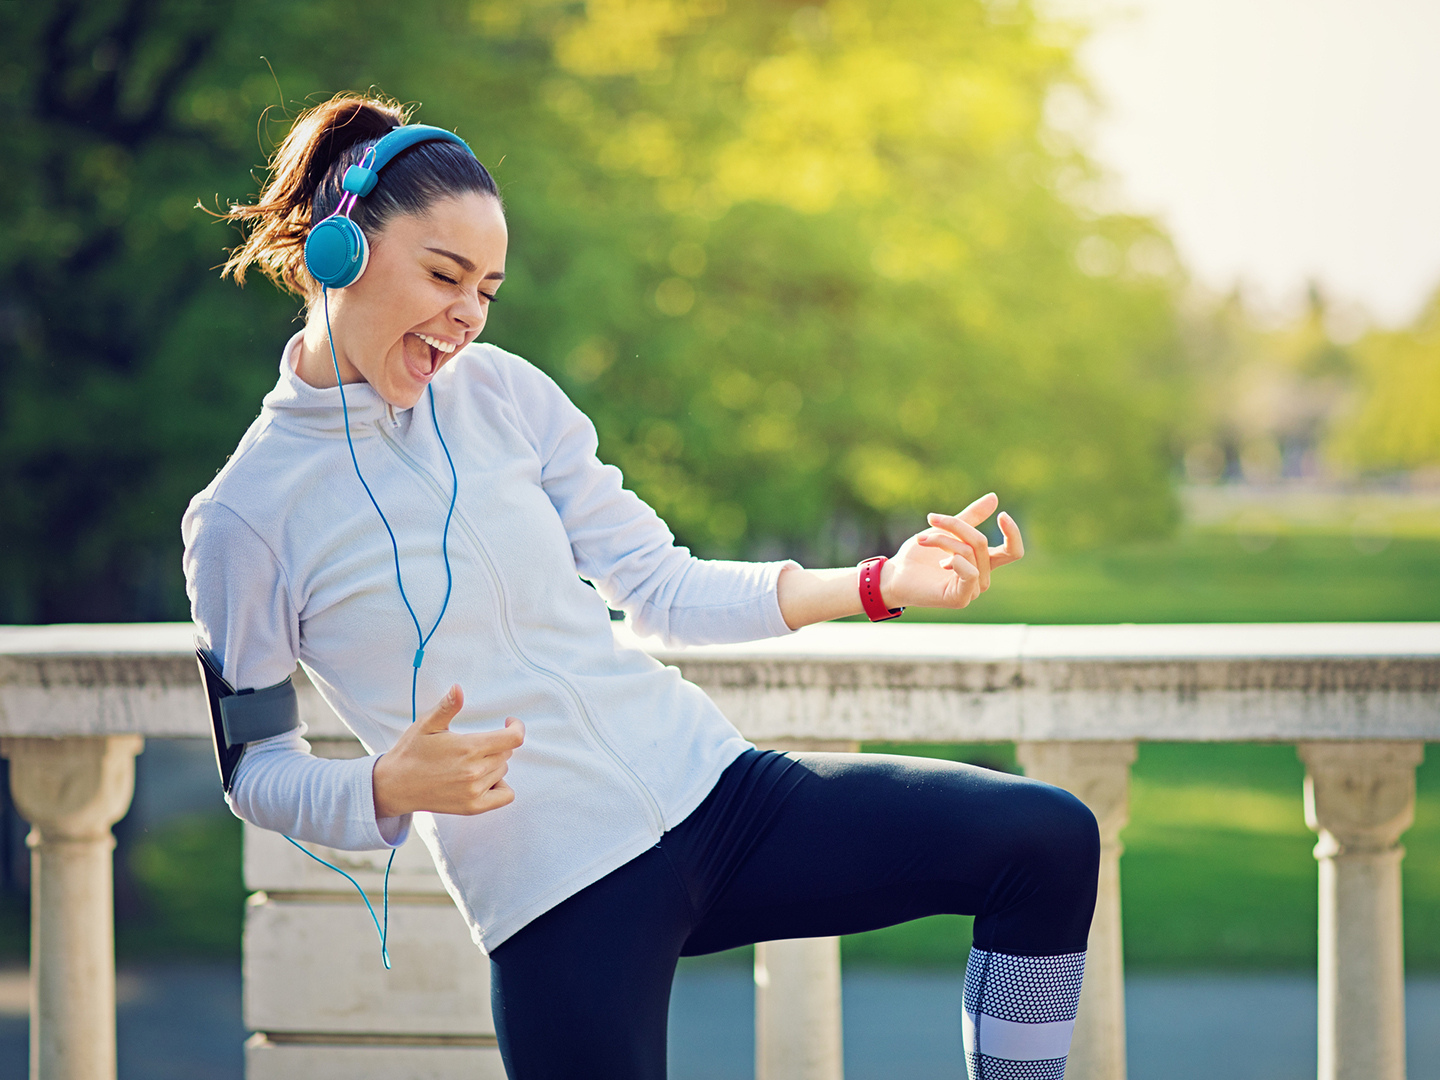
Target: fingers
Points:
x,y
967,584
481,746
980,509
508,738
1014,546
433,768
961,560
478,765
486,790
497,795
961,532
1009,551
438,718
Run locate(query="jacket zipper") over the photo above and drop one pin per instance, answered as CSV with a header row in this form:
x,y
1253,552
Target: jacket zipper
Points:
x,y
574,695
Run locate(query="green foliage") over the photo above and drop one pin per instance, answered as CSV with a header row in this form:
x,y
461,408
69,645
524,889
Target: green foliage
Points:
x,y
807,267
184,894
14,928
192,896
119,368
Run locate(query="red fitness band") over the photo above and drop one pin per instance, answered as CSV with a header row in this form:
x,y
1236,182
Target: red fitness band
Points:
x,y
870,598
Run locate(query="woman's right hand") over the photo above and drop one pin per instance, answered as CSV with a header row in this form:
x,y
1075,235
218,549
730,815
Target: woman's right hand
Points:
x,y
433,768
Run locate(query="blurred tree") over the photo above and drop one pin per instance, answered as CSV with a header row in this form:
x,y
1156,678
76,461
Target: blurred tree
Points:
x,y
1395,424
812,269
1264,399
880,302
104,298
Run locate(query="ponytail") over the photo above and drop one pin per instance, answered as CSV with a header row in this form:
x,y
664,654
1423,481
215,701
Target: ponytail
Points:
x,y
304,186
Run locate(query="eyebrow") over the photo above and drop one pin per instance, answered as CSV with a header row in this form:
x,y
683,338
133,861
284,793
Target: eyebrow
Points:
x,y
466,264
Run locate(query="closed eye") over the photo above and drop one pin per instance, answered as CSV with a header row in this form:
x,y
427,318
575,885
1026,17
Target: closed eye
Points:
x,y
490,298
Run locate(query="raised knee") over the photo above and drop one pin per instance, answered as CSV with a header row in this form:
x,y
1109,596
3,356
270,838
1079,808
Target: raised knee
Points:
x,y
1065,834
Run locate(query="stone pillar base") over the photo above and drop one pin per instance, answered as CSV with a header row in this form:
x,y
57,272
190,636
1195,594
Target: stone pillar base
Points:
x,y
1360,797
72,790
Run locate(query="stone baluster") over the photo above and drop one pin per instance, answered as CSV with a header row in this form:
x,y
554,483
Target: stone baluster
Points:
x,y
72,790
797,1010
1099,774
798,1034
1360,797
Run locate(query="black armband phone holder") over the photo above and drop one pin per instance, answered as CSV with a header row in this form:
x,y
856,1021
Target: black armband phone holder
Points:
x,y
238,717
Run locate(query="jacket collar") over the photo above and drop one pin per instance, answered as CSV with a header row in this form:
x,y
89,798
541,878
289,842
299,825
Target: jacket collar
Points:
x,y
297,404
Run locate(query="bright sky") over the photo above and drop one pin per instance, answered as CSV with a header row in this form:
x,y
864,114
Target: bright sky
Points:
x,y
1280,140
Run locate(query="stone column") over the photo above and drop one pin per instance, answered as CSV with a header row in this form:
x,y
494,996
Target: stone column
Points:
x,y
1099,774
797,1010
72,790
1360,796
798,1034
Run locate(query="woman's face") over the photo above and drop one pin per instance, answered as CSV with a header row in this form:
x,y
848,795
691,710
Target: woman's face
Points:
x,y
423,297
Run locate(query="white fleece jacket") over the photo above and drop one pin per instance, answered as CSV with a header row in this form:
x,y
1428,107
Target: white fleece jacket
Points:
x,y
286,560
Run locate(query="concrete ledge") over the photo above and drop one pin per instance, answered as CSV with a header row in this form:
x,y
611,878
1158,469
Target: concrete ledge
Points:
x,y
920,682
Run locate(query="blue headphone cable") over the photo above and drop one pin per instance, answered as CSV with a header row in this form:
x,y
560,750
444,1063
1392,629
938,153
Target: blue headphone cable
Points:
x,y
383,929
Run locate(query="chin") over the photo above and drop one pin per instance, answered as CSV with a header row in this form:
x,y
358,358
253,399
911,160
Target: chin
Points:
x,y
402,397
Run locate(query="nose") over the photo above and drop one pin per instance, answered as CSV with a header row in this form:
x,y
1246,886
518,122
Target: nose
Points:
x,y
469,314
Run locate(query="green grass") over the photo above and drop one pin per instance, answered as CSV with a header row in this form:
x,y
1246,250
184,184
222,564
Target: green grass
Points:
x,y
1218,869
1211,577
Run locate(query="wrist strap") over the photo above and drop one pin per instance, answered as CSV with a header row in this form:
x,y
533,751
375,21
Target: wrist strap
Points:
x,y
870,598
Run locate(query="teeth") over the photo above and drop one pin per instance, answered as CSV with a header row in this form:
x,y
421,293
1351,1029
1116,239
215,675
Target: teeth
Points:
x,y
443,346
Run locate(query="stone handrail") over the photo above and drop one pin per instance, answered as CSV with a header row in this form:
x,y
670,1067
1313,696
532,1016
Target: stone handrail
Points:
x,y
1358,699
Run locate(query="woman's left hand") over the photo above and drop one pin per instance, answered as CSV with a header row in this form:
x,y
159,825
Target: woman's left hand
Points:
x,y
949,564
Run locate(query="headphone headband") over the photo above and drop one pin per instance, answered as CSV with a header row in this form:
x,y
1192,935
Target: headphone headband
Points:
x,y
360,179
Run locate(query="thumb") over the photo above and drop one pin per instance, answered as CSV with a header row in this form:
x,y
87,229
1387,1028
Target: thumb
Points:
x,y
438,718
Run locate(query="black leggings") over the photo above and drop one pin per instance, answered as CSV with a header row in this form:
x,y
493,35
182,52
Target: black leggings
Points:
x,y
788,846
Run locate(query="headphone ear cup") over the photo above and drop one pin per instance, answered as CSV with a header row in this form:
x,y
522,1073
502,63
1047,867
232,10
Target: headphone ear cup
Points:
x,y
336,253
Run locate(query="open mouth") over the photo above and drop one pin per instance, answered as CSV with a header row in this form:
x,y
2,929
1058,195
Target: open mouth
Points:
x,y
424,354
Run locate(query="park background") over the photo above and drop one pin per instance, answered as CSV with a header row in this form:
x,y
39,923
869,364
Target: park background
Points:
x,y
813,269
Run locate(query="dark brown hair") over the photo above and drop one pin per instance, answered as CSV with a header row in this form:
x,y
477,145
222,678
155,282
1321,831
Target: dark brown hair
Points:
x,y
305,177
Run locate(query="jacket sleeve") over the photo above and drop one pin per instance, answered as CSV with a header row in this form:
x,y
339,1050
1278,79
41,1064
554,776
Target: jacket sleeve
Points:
x,y
620,544
245,614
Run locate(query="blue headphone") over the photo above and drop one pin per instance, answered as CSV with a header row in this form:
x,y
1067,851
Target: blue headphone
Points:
x,y
336,253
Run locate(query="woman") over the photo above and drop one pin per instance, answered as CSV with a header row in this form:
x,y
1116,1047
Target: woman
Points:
x,y
640,826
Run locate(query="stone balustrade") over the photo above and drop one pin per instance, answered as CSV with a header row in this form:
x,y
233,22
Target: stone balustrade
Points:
x,y
1358,700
